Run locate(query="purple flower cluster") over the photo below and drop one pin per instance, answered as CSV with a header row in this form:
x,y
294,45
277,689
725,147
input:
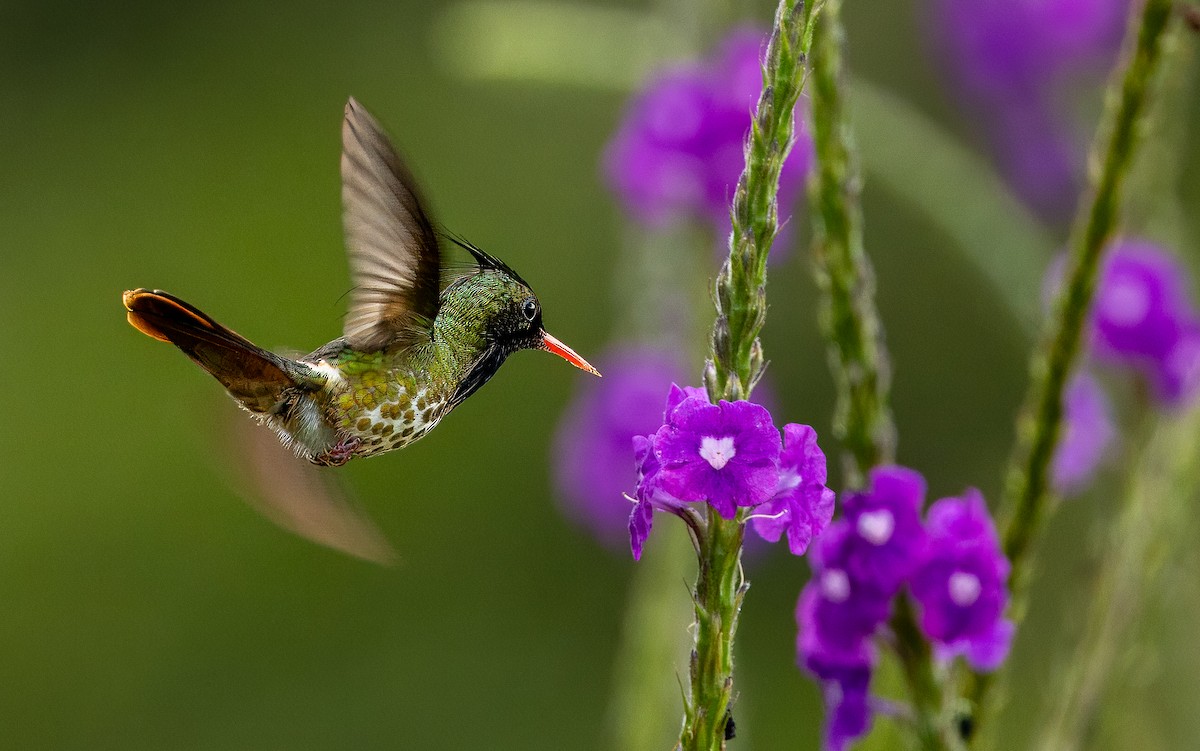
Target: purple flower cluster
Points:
x,y
679,149
952,565
731,456
1142,320
1026,67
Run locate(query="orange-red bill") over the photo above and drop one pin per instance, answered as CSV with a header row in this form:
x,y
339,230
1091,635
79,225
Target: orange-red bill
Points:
x,y
550,344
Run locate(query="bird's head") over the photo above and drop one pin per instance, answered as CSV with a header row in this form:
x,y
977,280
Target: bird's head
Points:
x,y
506,309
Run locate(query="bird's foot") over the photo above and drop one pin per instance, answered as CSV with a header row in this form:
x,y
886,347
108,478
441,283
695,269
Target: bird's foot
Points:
x,y
339,453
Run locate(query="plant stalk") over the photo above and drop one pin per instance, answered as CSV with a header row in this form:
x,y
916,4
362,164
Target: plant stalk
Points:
x,y
857,355
849,320
1027,492
736,365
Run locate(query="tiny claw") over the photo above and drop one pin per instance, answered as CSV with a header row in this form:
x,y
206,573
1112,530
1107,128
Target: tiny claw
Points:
x,y
339,453
550,344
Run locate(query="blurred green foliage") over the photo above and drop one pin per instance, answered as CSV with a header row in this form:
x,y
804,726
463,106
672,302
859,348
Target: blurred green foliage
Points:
x,y
194,149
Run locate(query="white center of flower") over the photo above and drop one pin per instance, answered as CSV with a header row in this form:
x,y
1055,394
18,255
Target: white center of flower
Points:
x,y
717,451
876,527
835,585
964,588
1126,302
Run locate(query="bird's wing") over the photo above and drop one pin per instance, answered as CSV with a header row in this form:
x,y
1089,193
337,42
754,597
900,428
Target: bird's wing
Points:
x,y
300,497
395,262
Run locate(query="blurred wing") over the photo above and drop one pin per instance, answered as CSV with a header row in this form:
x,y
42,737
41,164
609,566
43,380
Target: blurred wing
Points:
x,y
302,498
394,258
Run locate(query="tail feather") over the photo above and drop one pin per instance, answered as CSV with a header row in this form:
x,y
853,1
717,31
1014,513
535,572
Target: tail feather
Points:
x,y
254,376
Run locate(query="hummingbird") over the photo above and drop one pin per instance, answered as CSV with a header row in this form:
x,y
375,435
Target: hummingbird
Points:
x,y
417,340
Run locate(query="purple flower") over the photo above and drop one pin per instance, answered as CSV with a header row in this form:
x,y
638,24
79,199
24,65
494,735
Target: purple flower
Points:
x,y
886,520
835,620
847,702
1143,318
592,443
727,454
678,151
677,394
801,506
1177,378
650,495
837,613
1033,71
985,652
960,584
1087,434
1140,306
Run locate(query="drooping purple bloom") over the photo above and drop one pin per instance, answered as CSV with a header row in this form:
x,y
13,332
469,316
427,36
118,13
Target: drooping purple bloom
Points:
x,y
801,506
726,453
1176,380
1033,72
592,443
848,708
649,495
835,618
961,583
1143,318
886,521
837,612
1140,306
985,652
678,150
1087,434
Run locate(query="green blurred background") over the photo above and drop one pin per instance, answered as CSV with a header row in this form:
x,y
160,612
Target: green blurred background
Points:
x,y
194,148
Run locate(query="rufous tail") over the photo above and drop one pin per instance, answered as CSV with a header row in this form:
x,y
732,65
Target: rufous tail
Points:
x,y
251,374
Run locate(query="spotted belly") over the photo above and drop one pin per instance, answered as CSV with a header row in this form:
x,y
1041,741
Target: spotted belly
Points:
x,y
386,416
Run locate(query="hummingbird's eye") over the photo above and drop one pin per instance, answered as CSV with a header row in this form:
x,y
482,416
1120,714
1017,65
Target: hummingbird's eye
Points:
x,y
530,309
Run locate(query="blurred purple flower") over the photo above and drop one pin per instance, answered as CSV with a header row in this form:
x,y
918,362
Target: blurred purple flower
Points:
x,y
1143,318
961,583
985,652
848,706
726,453
1033,70
1140,306
679,149
952,564
1177,379
835,618
1087,434
837,613
886,520
594,434
802,506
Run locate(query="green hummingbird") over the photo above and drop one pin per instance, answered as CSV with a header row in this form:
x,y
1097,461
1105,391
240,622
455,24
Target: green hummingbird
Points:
x,y
417,339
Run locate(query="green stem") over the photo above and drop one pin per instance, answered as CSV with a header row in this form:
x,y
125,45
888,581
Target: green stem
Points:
x,y
718,601
736,364
858,357
1026,494
740,289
